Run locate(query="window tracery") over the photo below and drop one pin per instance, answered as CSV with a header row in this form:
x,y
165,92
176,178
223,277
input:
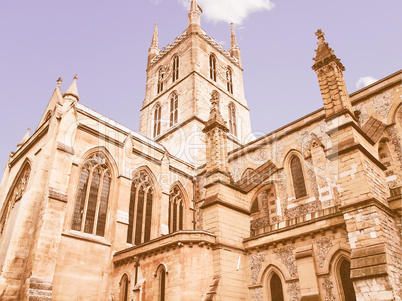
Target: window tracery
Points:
x,y
92,196
140,207
176,210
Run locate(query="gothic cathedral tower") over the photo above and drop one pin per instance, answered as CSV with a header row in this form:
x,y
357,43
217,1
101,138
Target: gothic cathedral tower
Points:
x,y
180,81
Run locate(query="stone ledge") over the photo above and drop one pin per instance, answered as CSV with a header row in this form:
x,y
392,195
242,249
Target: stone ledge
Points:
x,y
369,272
40,284
57,195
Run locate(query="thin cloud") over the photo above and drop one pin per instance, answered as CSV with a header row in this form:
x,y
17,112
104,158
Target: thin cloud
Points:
x,y
365,81
235,11
156,1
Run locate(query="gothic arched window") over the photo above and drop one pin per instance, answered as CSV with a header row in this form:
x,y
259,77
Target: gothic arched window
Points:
x,y
174,108
92,196
229,80
162,285
160,79
157,120
232,119
255,207
347,285
176,210
175,71
298,178
124,288
212,67
141,197
275,288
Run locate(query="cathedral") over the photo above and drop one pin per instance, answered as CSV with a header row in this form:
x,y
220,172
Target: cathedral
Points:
x,y
186,209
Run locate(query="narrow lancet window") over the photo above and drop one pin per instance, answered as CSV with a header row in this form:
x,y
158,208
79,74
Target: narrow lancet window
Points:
x,y
175,71
229,80
160,80
299,185
157,121
212,67
232,119
174,109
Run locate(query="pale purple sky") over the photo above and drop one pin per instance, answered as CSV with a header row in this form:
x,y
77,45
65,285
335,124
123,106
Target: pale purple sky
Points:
x,y
106,43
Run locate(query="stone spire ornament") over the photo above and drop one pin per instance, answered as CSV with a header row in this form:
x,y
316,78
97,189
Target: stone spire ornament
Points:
x,y
73,91
59,81
216,134
154,49
25,138
330,78
194,17
234,48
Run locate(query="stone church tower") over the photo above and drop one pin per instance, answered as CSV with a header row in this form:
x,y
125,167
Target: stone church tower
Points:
x,y
180,80
184,210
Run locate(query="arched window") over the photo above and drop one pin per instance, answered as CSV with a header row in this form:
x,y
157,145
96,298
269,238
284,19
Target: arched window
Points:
x,y
92,196
229,80
176,210
175,71
162,285
9,211
212,67
124,288
161,74
347,285
174,108
157,120
141,197
298,178
232,119
275,288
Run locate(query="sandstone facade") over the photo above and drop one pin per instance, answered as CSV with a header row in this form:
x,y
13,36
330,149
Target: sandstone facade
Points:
x,y
189,209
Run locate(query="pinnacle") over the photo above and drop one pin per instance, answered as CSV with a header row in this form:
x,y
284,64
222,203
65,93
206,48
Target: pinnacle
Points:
x,y
233,41
324,53
155,38
73,91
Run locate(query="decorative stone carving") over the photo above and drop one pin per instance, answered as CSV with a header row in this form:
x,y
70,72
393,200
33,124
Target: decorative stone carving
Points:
x,y
235,169
294,291
278,148
328,286
256,261
283,193
324,244
303,209
382,103
257,294
287,257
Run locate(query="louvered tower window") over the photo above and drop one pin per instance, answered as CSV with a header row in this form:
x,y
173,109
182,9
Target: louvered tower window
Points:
x,y
229,80
160,80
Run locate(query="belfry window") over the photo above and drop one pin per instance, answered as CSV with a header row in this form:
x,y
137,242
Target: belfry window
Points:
x,y
175,71
160,80
176,210
212,67
92,196
141,197
232,119
299,185
174,108
229,80
157,120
